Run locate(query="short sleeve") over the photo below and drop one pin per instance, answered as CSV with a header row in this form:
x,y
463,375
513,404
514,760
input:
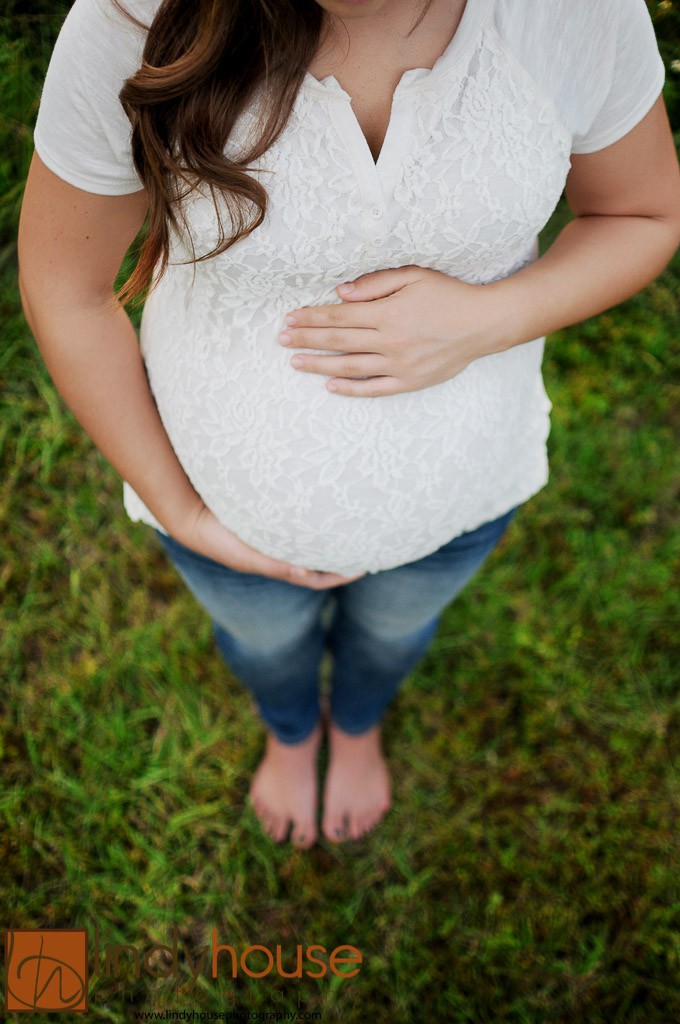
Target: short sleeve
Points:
x,y
82,132
635,80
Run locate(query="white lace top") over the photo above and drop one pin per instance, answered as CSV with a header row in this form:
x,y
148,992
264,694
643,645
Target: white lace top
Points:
x,y
473,164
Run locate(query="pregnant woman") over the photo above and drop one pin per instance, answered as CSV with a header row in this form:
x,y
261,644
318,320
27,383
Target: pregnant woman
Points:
x,y
328,467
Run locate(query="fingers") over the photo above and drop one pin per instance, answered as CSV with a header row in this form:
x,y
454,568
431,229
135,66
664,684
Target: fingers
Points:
x,y
214,540
319,580
339,315
361,366
297,574
260,564
325,339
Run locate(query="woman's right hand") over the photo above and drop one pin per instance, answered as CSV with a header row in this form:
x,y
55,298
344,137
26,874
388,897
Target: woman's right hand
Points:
x,y
203,532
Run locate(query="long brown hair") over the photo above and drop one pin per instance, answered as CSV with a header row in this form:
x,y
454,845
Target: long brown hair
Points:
x,y
201,64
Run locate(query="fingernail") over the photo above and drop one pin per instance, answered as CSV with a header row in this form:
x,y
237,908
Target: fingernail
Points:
x,y
345,289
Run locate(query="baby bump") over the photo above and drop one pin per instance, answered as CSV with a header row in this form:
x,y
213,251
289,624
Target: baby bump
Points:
x,y
329,481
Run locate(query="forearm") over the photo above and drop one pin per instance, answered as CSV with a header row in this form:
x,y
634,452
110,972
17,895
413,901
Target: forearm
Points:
x,y
595,263
93,358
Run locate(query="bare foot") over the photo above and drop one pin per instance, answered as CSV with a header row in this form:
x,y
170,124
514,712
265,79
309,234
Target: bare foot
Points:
x,y
284,789
357,789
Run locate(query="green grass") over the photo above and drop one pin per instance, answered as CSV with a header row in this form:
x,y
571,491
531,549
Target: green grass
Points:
x,y
528,870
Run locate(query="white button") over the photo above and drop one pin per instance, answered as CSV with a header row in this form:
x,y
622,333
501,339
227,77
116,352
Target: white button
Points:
x,y
378,240
376,211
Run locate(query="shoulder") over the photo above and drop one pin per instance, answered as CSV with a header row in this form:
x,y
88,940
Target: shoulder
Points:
x,y
597,60
559,27
105,17
98,41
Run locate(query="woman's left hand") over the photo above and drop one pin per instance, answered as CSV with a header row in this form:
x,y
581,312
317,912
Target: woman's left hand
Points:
x,y
403,329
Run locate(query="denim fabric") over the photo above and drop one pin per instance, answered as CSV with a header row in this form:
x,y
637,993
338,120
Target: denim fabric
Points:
x,y
272,634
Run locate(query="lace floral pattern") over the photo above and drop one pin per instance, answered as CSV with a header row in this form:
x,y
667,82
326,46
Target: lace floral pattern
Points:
x,y
474,169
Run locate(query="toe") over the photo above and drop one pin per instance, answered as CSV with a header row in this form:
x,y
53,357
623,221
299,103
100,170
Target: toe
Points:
x,y
261,813
366,823
269,823
377,817
335,829
303,837
280,830
269,826
354,827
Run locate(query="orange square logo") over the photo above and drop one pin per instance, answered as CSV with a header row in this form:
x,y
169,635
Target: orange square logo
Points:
x,y
46,969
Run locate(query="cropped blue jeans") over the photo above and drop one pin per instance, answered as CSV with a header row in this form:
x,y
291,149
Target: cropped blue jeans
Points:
x,y
272,634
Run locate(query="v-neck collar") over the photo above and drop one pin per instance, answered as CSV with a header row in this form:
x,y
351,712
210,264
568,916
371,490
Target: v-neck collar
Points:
x,y
469,26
